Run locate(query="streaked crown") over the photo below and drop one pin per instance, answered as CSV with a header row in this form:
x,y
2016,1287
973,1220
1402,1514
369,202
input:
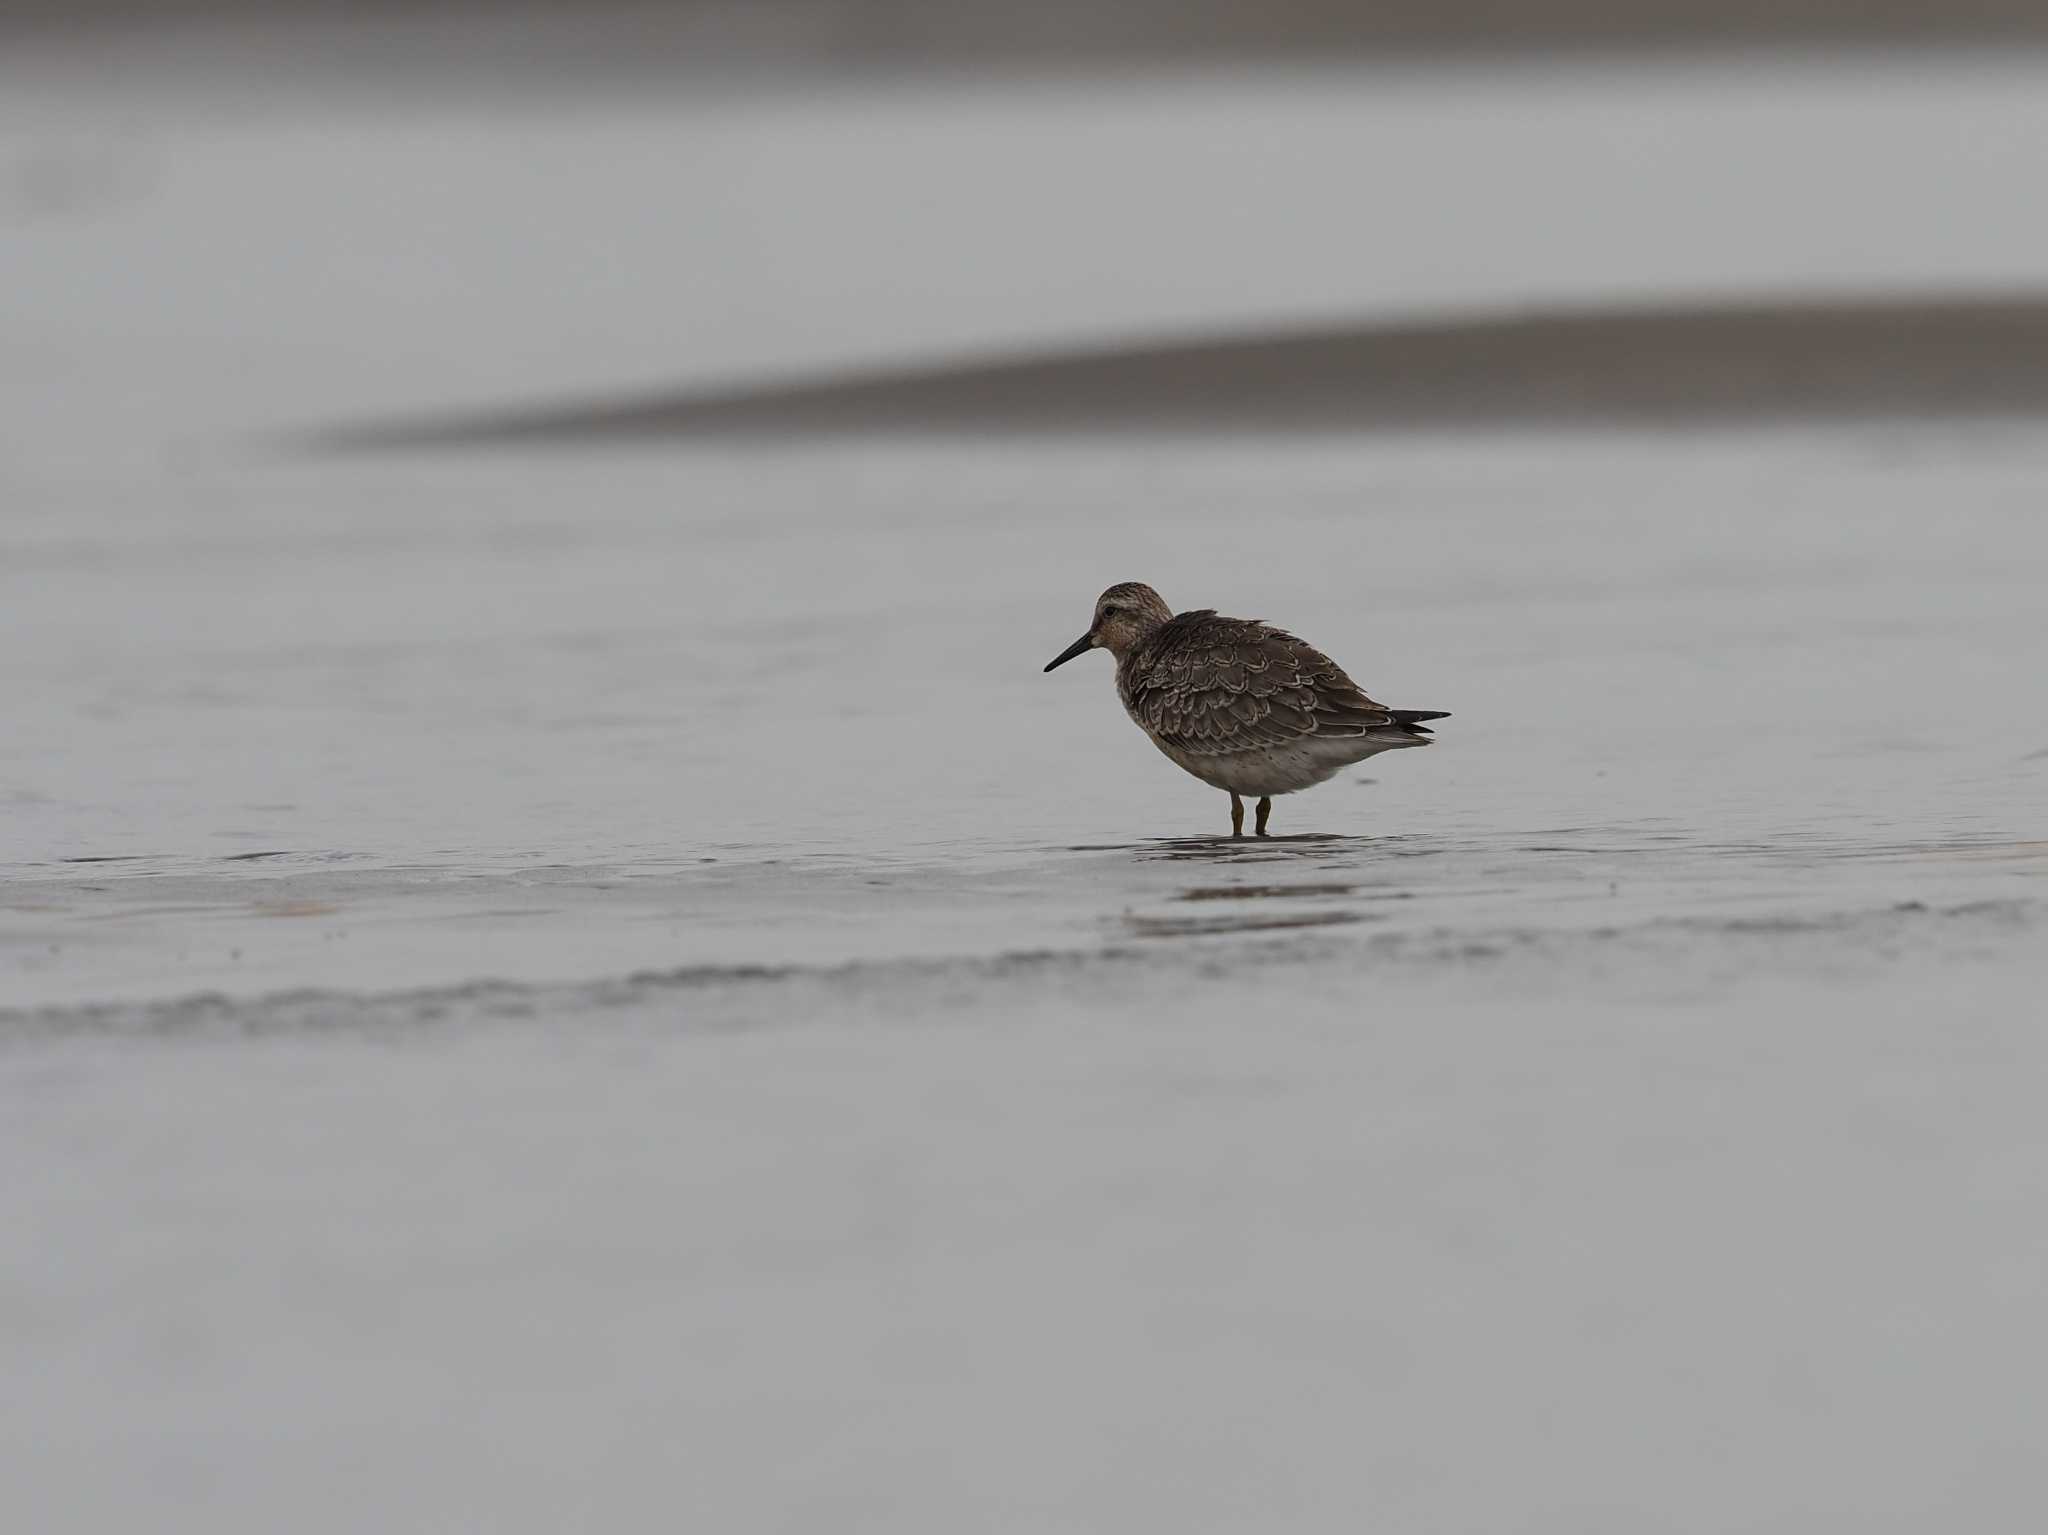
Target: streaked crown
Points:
x,y
1134,598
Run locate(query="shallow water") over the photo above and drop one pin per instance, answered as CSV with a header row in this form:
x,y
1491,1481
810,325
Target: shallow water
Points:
x,y
608,986
786,708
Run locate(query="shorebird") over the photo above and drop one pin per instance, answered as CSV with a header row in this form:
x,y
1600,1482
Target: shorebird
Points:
x,y
1246,708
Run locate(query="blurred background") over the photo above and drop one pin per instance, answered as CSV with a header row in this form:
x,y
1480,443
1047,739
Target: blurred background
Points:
x,y
561,963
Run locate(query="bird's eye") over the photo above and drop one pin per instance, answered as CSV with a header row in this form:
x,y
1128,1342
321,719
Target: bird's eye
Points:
x,y
1111,610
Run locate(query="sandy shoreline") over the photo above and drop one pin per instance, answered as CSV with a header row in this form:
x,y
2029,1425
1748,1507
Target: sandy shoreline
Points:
x,y
1785,363
927,32
1996,943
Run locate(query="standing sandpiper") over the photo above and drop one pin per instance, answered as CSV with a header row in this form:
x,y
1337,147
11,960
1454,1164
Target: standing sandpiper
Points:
x,y
1245,707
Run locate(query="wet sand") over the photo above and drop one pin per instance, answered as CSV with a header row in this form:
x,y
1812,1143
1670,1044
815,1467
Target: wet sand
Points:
x,y
847,33
1905,358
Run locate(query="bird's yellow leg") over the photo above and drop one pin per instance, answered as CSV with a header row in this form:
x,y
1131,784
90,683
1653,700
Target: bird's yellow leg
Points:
x,y
1265,809
1236,816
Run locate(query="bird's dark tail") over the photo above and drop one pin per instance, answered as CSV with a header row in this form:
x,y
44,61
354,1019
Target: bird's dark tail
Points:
x,y
1411,719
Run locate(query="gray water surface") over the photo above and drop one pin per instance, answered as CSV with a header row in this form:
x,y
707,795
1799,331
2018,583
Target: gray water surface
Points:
x,y
786,709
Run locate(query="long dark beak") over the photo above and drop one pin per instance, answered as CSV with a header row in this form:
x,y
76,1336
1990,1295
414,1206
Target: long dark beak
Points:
x,y
1071,651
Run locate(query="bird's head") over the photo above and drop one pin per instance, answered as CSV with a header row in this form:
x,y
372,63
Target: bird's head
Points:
x,y
1124,615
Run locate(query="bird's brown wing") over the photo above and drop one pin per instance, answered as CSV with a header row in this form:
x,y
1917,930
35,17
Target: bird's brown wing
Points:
x,y
1210,686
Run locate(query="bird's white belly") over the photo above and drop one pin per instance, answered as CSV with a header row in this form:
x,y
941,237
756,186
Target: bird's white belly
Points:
x,y
1280,769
